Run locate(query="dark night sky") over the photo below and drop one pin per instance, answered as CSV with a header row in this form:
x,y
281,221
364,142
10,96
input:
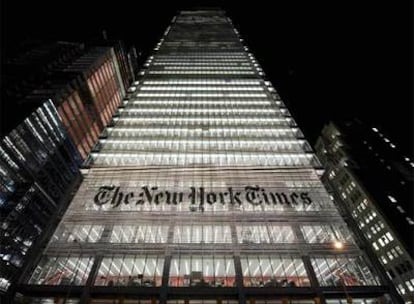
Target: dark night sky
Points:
x,y
327,59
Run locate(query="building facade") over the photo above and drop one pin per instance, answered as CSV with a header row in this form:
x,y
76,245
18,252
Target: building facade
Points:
x,y
373,182
203,190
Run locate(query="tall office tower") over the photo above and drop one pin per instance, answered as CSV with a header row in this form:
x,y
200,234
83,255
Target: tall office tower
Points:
x,y
373,182
203,191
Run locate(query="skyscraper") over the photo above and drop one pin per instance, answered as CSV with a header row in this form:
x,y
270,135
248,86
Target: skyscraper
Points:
x,y
58,98
203,190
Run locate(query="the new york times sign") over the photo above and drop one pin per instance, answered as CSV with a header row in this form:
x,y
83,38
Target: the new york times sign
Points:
x,y
198,198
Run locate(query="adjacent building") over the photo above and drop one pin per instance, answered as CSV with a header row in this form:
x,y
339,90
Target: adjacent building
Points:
x,y
373,183
202,189
58,98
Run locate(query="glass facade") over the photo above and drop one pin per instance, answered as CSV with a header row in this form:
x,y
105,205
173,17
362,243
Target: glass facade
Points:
x,y
204,187
38,164
89,104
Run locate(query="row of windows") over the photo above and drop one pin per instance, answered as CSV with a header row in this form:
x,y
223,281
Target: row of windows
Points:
x,y
408,288
232,159
184,42
212,121
173,53
203,125
207,68
203,88
141,94
210,132
199,72
203,81
383,241
204,102
200,56
207,48
365,220
207,145
212,271
392,254
218,64
203,61
282,143
201,111
198,114
247,234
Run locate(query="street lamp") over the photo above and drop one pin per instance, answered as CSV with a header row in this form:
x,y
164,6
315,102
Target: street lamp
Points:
x,y
338,245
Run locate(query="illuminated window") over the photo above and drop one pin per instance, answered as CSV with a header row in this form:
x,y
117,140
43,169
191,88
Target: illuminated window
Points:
x,y
67,270
326,233
273,271
130,270
81,233
202,234
202,271
248,234
339,271
139,234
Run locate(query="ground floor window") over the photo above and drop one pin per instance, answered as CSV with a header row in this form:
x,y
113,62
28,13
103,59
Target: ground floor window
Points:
x,y
273,271
62,270
130,271
342,271
208,271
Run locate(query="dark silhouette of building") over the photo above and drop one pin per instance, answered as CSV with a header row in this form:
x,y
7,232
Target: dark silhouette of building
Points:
x,y
373,181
